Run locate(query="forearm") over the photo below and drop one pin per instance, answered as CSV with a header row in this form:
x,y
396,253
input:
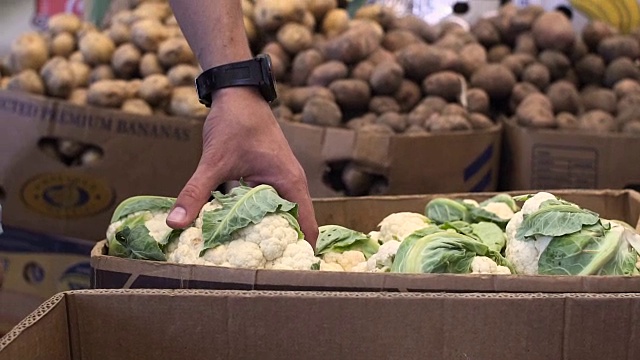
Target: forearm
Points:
x,y
214,29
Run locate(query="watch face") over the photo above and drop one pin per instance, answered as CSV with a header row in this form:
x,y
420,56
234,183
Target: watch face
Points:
x,y
268,89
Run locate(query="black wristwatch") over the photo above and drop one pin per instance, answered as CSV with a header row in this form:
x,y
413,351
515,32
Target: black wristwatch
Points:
x,y
253,72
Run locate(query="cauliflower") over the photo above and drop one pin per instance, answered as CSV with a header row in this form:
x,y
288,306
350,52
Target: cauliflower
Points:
x,y
156,222
297,256
213,205
524,255
325,266
484,265
399,225
347,260
380,261
501,209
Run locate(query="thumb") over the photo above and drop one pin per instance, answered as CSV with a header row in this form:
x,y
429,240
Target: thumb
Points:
x,y
192,197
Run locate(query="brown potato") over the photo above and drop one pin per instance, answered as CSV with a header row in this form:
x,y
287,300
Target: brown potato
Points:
x,y
478,101
472,57
497,80
107,93
156,90
76,56
397,122
579,50
376,128
275,50
156,10
358,122
445,84
147,34
418,26
486,33
353,45
335,22
28,51
381,55
269,15
150,65
126,61
357,181
553,30
78,97
420,114
479,121
594,31
351,94
81,73
520,91
184,102
63,44
567,121
296,97
599,99
303,64
119,33
524,18
419,60
282,113
619,69
526,44
363,70
407,95
26,81
631,101
183,75
101,72
517,62
133,88
618,46
447,123
58,77
496,53
174,51
625,87
537,74
324,74
386,78
590,69
383,15
395,40
557,63
136,106
597,121
64,22
294,37
536,111
319,8
564,97
383,104
321,111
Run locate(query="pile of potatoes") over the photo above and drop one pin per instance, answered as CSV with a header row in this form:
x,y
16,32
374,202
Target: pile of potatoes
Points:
x,y
586,81
139,63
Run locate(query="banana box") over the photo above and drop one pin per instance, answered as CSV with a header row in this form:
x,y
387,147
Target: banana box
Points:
x,y
36,267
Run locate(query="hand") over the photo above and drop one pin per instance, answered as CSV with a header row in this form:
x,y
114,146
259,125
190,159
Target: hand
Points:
x,y
242,139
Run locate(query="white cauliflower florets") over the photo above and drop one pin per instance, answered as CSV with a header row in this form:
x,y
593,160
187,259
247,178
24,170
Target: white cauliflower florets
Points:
x,y
297,256
484,265
399,225
380,261
325,266
347,260
244,254
524,254
186,249
212,205
156,222
272,234
502,210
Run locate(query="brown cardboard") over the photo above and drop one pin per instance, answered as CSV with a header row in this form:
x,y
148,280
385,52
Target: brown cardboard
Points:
x,y
363,214
552,159
200,324
142,155
465,161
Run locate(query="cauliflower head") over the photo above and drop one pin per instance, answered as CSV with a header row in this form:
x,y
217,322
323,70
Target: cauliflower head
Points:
x,y
346,260
155,222
399,225
380,261
485,265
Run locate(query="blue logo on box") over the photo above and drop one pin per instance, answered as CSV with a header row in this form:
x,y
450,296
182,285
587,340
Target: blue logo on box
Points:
x,y
33,273
76,277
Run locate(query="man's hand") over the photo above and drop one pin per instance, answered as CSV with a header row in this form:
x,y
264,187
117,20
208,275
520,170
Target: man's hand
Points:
x,y
242,139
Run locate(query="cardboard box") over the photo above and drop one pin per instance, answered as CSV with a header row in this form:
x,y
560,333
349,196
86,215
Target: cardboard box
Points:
x,y
363,214
141,155
551,159
162,324
37,267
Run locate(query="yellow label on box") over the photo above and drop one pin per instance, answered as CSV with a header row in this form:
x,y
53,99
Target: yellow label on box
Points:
x,y
62,195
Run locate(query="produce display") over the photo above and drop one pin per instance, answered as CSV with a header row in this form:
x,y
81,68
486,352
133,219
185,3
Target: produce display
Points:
x,y
254,228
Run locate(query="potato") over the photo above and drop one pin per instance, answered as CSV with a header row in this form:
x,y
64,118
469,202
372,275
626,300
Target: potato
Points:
x,y
184,102
383,15
376,128
155,10
303,64
27,81
96,48
351,94
619,69
454,42
524,18
599,99
553,30
275,50
496,53
614,47
419,60
397,122
294,37
497,80
419,115
595,31
536,110
632,127
183,75
626,115
86,28
472,57
371,27
335,22
363,70
590,69
479,121
382,104
174,32
107,93
564,97
579,51
631,101
133,88
282,113
174,51
386,78
381,55
296,97
58,77
269,15
557,63
567,121
147,34
63,44
126,61
324,74
356,181
78,97
28,51
517,62
537,74
478,101
81,73
407,95
119,33
526,44
416,25
454,109
597,121
446,123
625,87
101,72
319,8
445,84
353,45
124,17
520,91
395,40
247,8
136,106
64,22
486,33
249,29
156,90
150,65
358,122
321,111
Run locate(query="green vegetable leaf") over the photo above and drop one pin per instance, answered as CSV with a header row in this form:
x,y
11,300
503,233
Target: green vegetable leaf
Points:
x,y
523,198
429,229
479,214
315,266
442,210
502,198
556,220
241,207
490,234
335,238
142,203
136,243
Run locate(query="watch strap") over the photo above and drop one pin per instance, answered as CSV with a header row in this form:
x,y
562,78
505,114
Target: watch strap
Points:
x,y
241,73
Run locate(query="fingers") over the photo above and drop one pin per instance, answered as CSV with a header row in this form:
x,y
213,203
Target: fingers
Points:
x,y
299,193
193,196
